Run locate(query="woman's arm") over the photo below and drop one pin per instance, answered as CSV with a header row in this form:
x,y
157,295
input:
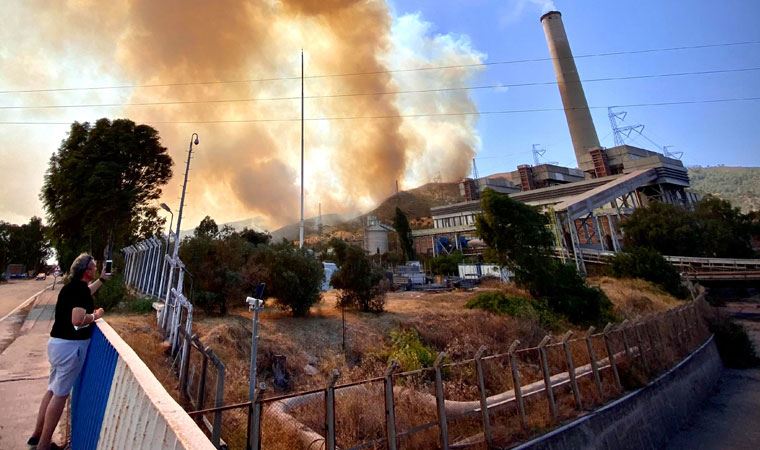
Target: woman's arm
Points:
x,y
95,285
80,317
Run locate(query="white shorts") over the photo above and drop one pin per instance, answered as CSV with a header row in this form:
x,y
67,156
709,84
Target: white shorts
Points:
x,y
66,361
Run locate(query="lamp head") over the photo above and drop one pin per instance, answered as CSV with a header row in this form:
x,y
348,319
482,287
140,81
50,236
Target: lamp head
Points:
x,y
196,141
165,207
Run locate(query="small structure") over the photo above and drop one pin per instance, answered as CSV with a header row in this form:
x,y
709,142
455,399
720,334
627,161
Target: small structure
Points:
x,y
330,268
376,236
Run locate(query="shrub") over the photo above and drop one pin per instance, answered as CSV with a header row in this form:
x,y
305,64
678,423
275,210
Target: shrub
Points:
x,y
521,240
111,293
292,275
734,345
446,264
141,305
649,264
515,306
566,293
409,351
358,281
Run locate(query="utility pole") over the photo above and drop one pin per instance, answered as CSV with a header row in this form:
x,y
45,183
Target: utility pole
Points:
x,y
300,234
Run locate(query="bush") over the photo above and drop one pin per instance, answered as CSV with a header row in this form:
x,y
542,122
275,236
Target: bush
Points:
x,y
358,281
292,275
141,305
734,345
649,264
409,351
567,294
113,292
446,264
515,306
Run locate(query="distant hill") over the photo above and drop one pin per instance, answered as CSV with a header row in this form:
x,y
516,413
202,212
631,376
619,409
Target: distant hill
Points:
x,y
416,203
292,231
739,185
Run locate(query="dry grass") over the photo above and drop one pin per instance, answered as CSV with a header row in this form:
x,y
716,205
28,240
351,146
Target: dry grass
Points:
x,y
442,322
633,297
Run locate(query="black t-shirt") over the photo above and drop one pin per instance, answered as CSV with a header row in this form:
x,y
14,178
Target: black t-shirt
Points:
x,y
75,294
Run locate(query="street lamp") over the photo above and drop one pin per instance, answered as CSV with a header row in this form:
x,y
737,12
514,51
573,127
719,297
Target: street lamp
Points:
x,y
175,253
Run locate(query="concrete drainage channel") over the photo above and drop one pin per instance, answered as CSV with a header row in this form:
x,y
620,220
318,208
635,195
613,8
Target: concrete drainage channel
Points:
x,y
647,417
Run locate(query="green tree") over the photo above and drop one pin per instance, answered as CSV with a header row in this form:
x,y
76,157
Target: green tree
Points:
x,y
517,233
25,244
101,184
725,230
446,264
207,228
669,229
519,236
713,229
357,279
292,275
649,264
255,237
404,231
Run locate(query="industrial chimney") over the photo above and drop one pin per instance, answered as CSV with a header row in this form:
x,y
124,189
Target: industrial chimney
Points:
x,y
578,116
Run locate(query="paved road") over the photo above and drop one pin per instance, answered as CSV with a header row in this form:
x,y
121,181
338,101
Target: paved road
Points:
x,y
730,418
23,364
15,292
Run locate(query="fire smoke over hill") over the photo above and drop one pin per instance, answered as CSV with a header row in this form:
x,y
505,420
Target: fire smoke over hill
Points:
x,y
249,164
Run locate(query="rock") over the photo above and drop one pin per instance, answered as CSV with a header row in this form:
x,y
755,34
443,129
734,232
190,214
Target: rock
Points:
x,y
310,370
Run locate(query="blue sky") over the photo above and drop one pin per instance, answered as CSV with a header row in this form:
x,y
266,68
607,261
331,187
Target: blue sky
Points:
x,y
708,134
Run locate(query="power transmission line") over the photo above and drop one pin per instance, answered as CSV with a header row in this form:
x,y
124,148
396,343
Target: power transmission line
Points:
x,y
360,94
394,116
376,72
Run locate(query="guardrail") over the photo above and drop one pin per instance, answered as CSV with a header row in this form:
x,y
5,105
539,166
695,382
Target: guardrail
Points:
x,y
118,403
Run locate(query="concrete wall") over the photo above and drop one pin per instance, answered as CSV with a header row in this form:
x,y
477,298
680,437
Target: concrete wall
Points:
x,y
645,418
117,403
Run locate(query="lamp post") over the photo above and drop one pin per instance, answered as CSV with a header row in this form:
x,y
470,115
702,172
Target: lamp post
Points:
x,y
166,208
175,253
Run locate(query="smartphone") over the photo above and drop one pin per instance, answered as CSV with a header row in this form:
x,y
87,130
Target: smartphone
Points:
x,y
109,266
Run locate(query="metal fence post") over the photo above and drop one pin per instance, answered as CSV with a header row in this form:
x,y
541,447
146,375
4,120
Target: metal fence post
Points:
x,y
254,421
440,401
571,369
640,343
330,410
390,408
216,432
611,355
483,397
623,326
592,359
547,376
516,383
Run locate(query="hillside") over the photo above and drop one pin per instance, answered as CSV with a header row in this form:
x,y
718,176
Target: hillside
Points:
x,y
739,185
416,203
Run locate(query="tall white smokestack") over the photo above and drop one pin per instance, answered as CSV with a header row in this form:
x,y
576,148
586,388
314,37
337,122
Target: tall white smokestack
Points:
x,y
578,116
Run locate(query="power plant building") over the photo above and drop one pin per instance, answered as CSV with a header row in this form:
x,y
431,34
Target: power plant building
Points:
x,y
585,204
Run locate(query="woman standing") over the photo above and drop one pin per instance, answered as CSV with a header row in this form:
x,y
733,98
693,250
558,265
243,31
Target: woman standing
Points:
x,y
74,313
